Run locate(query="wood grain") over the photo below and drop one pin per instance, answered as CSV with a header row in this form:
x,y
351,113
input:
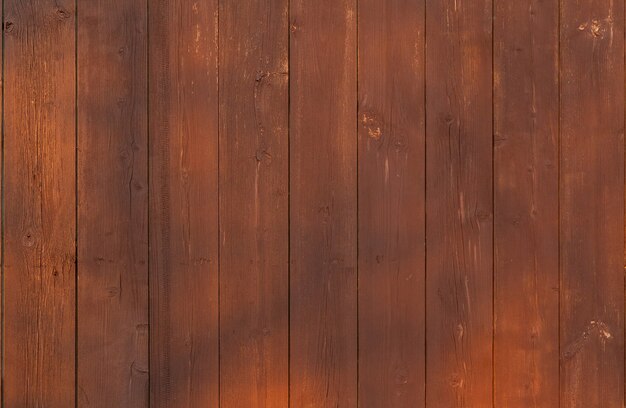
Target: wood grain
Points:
x,y
112,205
323,204
39,203
391,204
254,223
2,223
333,203
183,93
459,203
526,260
592,212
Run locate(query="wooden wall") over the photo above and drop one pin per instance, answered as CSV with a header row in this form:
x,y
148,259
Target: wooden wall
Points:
x,y
303,204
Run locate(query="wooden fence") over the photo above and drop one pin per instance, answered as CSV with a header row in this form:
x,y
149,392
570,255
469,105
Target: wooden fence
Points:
x,y
299,203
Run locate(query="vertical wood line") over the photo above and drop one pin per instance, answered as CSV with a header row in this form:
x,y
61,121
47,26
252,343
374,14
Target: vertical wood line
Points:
x,y
425,207
219,218
2,221
149,200
559,194
624,209
356,134
493,212
289,23
76,204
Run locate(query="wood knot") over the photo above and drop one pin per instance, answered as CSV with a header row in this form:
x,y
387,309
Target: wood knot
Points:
x,y
324,210
594,330
456,381
62,13
372,125
28,239
262,155
138,186
266,75
449,119
112,291
483,215
595,28
142,329
8,26
400,145
138,369
201,261
401,377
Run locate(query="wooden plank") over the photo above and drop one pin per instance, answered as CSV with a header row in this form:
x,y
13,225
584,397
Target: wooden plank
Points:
x,y
2,184
323,144
183,203
112,205
254,227
40,203
592,210
459,203
526,191
391,203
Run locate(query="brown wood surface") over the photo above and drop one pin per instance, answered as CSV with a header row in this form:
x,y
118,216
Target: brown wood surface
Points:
x,y
39,203
323,136
112,344
391,204
526,206
592,213
183,91
2,223
308,204
459,203
254,187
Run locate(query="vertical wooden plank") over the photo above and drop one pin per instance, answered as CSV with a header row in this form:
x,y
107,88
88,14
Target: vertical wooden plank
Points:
x,y
2,244
391,203
323,144
183,203
459,203
526,191
592,210
254,280
40,203
112,205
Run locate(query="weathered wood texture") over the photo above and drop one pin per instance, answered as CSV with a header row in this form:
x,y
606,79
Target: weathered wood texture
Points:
x,y
332,203
391,203
591,203
112,345
39,203
526,204
323,142
254,186
183,128
459,202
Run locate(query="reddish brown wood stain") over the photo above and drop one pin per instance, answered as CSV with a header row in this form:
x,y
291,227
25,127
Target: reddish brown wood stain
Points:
x,y
302,204
526,203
